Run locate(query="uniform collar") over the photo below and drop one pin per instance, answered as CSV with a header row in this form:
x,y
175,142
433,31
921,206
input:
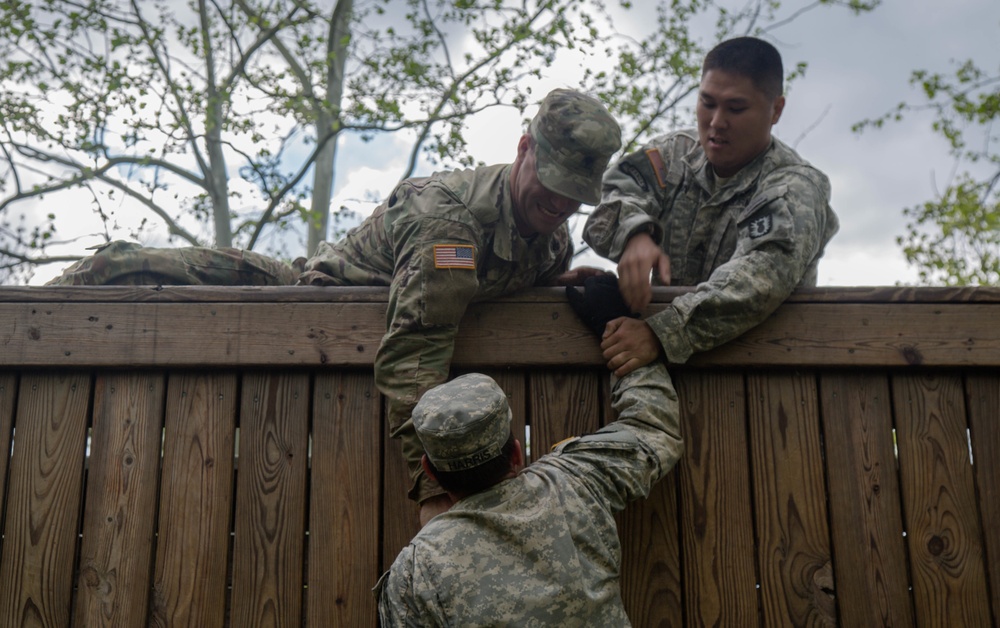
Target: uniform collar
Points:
x,y
505,237
739,182
508,244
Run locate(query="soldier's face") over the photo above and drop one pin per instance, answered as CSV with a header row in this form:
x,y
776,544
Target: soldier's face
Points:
x,y
734,120
536,208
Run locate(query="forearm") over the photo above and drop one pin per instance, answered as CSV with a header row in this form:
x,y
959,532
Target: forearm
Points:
x,y
406,366
645,403
739,296
611,225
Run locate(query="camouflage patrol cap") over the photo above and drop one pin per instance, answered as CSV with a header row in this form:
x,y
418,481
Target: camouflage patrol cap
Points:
x,y
575,137
463,423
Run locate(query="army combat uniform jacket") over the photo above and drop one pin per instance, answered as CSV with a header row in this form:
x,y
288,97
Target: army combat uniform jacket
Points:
x,y
746,242
439,243
542,549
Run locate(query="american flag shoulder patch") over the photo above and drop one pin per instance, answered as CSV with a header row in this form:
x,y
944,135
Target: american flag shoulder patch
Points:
x,y
454,256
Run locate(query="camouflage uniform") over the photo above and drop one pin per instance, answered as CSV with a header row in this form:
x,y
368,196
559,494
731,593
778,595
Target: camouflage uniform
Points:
x,y
540,549
122,263
746,242
439,243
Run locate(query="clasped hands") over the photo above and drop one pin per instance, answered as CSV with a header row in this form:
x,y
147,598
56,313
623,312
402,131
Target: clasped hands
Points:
x,y
609,306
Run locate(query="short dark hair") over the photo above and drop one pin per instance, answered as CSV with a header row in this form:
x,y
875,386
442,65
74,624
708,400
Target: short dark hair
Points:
x,y
753,58
478,478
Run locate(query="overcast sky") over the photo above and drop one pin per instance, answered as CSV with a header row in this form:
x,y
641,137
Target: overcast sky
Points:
x,y
859,67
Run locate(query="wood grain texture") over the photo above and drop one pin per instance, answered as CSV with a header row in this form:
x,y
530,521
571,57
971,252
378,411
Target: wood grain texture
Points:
x,y
983,398
943,534
196,492
561,403
716,515
271,485
400,515
796,572
8,393
43,500
512,333
651,570
819,456
345,504
372,294
901,334
866,512
119,519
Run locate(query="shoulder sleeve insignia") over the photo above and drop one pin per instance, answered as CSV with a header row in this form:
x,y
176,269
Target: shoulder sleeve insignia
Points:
x,y
633,172
659,168
454,256
760,227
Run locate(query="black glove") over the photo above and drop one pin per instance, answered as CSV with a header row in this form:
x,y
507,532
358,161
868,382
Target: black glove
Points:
x,y
600,301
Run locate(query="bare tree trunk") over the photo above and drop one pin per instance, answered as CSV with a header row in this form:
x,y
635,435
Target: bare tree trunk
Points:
x,y
217,178
328,124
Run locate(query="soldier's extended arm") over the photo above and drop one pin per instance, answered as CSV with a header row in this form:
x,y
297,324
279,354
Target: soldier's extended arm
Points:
x,y
633,191
628,456
778,241
434,281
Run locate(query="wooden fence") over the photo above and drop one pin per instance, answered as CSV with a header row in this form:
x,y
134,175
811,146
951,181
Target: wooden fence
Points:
x,y
217,457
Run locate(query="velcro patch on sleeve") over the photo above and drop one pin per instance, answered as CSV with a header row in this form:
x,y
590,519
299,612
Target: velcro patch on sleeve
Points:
x,y
659,168
454,256
760,226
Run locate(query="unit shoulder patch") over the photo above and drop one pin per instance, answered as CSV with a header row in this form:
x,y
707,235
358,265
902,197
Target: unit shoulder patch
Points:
x,y
760,226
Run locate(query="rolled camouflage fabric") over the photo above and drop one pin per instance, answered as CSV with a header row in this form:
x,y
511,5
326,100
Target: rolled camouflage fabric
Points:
x,y
121,263
575,137
463,423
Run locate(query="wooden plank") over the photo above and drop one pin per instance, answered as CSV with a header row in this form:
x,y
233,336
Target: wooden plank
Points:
x,y
651,571
943,534
192,547
865,503
716,516
192,334
270,523
983,397
562,403
372,294
511,333
400,514
43,500
119,519
345,500
796,573
8,392
903,334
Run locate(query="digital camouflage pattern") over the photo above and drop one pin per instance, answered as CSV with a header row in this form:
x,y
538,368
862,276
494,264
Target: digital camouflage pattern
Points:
x,y
463,423
542,549
746,242
575,137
